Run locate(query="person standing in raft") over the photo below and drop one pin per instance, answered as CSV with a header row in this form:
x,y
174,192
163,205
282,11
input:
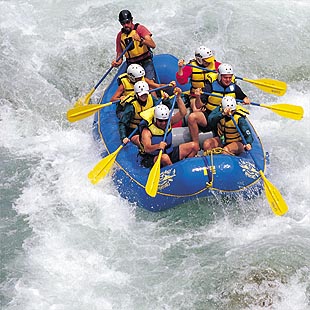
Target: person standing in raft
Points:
x,y
219,84
227,135
140,52
132,106
152,134
204,57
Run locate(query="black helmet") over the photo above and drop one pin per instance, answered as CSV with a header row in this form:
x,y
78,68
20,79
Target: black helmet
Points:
x,y
124,16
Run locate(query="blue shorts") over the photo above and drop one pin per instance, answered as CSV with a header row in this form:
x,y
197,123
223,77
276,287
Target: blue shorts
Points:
x,y
148,66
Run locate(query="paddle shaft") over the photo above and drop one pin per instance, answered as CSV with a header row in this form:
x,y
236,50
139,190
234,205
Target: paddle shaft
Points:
x,y
243,139
218,96
105,75
237,77
80,112
274,197
214,71
151,186
151,90
170,116
285,110
131,135
104,166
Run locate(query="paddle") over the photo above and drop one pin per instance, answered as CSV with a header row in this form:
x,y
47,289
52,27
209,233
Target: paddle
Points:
x,y
151,186
104,166
286,110
85,100
81,112
270,86
275,199
283,109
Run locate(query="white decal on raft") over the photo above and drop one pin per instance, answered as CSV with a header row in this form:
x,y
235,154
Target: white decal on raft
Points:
x,y
166,178
248,169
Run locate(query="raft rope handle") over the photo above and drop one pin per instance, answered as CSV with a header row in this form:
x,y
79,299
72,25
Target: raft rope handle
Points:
x,y
210,171
217,150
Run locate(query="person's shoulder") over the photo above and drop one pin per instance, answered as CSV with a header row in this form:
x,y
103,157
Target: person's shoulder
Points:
x,y
128,108
142,28
138,25
212,76
128,100
216,112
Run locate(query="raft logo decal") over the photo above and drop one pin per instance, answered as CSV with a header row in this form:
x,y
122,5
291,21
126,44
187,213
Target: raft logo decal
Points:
x,y
248,169
166,178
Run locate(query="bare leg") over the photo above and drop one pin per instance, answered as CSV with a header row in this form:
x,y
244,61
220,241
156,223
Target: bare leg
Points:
x,y
135,140
211,143
234,147
195,119
187,150
165,160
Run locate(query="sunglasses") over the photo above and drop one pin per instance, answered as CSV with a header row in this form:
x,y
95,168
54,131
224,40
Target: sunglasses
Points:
x,y
162,120
125,22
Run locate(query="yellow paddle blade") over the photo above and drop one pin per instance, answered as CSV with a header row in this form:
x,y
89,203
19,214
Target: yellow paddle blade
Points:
x,y
276,201
286,110
103,167
270,86
151,186
85,99
81,112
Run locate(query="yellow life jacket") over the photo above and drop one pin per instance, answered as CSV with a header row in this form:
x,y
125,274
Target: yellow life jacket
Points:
x,y
227,130
138,109
219,90
157,133
199,76
137,51
128,85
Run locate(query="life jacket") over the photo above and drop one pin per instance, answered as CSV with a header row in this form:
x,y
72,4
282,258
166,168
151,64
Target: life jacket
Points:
x,y
157,133
128,85
226,128
138,108
199,77
219,90
137,52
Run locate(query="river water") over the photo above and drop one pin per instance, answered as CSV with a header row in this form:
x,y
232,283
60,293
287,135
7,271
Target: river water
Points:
x,y
69,245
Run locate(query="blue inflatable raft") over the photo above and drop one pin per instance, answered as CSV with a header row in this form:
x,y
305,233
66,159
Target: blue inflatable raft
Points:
x,y
183,181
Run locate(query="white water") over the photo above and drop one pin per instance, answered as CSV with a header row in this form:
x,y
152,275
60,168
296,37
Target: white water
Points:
x,y
67,244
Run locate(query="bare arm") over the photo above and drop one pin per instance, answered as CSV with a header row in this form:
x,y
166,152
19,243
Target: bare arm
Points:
x,y
198,102
146,40
118,93
180,67
182,109
146,138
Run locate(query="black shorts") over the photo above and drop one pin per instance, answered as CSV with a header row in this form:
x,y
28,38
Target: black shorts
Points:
x,y
147,160
129,131
208,128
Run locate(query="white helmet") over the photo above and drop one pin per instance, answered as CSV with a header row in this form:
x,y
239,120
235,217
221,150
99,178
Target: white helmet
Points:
x,y
229,102
161,112
203,52
135,71
224,69
141,88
